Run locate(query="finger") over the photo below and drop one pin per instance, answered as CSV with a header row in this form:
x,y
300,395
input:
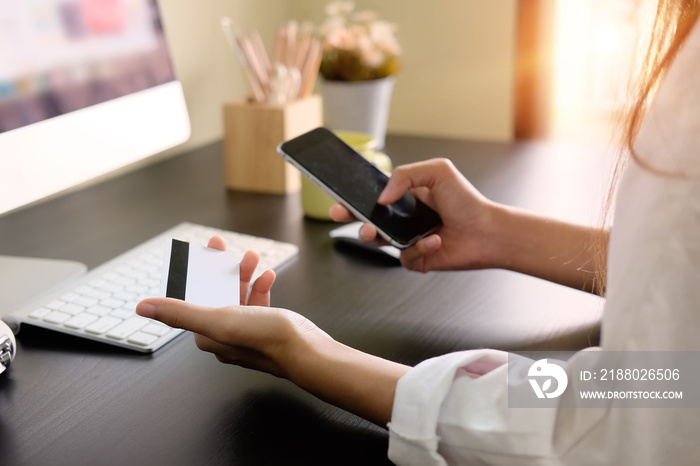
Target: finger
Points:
x,y
414,258
415,175
260,292
240,356
217,242
205,343
179,314
247,268
339,213
249,263
367,233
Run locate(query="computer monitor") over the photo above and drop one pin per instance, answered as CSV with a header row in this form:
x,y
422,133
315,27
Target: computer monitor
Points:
x,y
86,87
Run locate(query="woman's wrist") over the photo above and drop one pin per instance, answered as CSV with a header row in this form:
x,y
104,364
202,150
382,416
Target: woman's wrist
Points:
x,y
504,237
489,237
343,376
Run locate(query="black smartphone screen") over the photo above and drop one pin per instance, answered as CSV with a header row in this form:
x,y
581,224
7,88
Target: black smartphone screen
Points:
x,y
359,183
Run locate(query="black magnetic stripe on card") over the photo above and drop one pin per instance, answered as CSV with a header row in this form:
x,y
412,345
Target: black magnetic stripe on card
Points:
x,y
177,272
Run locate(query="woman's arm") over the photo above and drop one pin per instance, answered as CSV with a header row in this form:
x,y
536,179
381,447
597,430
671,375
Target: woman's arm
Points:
x,y
478,233
547,248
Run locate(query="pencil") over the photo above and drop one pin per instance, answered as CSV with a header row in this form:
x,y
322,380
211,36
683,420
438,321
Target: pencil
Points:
x,y
257,42
255,65
310,71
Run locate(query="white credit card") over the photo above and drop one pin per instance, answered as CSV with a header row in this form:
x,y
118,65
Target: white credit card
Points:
x,y
200,275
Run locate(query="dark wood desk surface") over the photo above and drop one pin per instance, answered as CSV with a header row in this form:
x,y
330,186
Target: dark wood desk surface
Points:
x,y
69,401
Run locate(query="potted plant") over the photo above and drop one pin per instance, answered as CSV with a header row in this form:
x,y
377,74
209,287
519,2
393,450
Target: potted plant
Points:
x,y
360,57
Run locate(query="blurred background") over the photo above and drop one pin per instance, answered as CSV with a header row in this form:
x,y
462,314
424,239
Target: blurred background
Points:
x,y
477,69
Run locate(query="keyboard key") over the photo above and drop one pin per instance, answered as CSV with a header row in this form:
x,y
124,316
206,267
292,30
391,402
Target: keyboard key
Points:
x,y
137,289
123,313
155,260
136,274
84,289
99,294
123,269
143,339
111,287
138,264
156,329
86,301
125,296
151,283
55,304
70,297
112,303
80,321
102,325
40,313
98,283
72,309
127,327
99,310
56,317
132,304
126,282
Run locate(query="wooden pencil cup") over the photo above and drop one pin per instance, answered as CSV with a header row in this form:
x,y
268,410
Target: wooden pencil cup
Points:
x,y
252,132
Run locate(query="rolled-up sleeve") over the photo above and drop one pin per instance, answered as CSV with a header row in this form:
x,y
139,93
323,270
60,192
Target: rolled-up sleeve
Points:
x,y
449,410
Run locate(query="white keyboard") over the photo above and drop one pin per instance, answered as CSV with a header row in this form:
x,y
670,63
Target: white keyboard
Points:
x,y
100,305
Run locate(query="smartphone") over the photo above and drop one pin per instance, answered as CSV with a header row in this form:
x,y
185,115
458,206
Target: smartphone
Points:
x,y
353,181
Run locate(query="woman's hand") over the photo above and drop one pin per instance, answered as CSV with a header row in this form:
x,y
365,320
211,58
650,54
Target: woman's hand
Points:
x,y
463,240
255,337
251,335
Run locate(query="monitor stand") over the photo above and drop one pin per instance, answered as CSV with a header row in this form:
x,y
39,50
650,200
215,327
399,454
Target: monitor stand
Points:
x,y
23,279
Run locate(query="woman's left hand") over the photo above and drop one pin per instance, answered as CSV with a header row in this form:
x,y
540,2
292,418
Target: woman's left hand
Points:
x,y
251,335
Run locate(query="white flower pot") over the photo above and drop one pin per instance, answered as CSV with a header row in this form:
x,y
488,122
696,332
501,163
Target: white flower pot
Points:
x,y
360,106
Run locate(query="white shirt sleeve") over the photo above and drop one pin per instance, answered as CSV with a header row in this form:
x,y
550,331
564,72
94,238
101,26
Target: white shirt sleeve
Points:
x,y
417,404
443,415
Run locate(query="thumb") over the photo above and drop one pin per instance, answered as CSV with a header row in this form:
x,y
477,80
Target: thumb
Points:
x,y
179,314
408,177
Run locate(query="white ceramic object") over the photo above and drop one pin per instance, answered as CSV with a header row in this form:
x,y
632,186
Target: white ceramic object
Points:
x,y
360,106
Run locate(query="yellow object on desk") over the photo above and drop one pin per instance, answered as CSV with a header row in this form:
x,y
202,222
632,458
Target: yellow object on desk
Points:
x,y
314,201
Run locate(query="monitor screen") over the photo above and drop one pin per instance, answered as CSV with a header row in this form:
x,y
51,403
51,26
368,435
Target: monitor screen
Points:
x,y
86,87
57,56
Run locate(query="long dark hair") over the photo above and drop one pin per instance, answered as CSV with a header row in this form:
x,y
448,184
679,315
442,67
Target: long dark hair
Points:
x,y
672,22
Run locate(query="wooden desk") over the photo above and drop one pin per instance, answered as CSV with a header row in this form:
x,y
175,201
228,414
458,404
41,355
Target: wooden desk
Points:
x,y
68,401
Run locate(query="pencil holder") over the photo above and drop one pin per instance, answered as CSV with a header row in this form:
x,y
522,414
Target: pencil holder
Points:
x,y
252,132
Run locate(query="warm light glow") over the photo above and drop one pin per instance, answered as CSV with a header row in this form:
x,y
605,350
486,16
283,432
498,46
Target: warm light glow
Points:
x,y
594,54
608,38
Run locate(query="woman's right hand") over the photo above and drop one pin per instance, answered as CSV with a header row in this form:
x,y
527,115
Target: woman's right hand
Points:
x,y
462,242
